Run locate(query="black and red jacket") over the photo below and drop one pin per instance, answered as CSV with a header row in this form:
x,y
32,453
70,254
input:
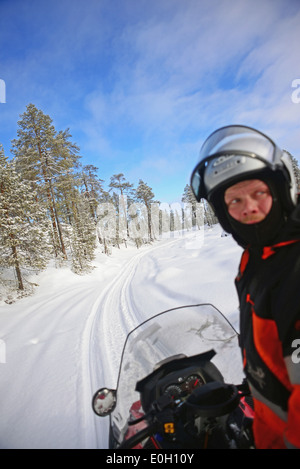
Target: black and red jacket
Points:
x,y
268,285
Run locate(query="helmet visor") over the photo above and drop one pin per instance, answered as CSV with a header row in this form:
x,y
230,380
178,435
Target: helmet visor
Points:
x,y
231,151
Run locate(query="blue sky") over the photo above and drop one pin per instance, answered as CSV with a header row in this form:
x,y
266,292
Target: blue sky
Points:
x,y
142,83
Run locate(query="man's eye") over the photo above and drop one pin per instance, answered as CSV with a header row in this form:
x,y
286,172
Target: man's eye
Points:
x,y
261,193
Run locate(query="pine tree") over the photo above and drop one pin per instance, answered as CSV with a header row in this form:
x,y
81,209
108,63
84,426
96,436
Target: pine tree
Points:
x,y
121,199
196,215
24,226
41,155
296,169
83,236
92,188
145,195
209,215
118,181
107,231
78,224
188,196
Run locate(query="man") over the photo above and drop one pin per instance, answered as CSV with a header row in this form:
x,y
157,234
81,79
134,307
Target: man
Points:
x,y
250,184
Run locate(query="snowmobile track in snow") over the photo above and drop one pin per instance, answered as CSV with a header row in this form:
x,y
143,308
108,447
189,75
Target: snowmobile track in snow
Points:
x,y
115,307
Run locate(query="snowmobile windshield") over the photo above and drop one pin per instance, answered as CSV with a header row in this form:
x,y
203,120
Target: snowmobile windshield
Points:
x,y
188,331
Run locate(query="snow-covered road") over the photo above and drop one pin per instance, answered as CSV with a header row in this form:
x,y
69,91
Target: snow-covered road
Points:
x,y
66,340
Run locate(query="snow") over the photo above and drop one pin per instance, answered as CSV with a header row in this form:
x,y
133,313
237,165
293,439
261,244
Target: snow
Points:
x,y
58,346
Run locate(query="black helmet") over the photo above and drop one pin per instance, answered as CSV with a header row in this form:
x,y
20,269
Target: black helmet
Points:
x,y
235,153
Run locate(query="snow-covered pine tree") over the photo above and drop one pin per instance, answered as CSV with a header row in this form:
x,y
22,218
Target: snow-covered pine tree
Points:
x,y
121,199
145,195
106,221
83,235
41,155
118,181
209,215
77,223
188,196
296,169
107,232
91,188
24,225
197,208
164,219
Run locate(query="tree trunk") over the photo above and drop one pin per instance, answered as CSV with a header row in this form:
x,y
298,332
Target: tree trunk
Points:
x,y
92,211
14,250
57,222
17,268
50,195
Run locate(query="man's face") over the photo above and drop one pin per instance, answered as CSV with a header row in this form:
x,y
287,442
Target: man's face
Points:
x,y
248,201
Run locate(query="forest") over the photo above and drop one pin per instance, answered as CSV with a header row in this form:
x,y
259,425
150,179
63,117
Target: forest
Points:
x,y
54,209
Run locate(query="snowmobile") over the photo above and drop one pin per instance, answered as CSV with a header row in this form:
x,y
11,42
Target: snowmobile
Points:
x,y
174,386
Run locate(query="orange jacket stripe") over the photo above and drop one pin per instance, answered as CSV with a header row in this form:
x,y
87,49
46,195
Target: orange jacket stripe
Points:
x,y
243,263
270,350
268,428
270,250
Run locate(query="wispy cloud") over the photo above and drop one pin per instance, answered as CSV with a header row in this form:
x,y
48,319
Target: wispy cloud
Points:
x,y
141,84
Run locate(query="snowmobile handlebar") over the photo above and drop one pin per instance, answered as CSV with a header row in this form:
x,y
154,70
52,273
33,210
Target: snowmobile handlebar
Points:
x,y
139,437
212,400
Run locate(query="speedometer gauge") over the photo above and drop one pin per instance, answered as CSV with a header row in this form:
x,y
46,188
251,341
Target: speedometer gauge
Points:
x,y
173,391
193,382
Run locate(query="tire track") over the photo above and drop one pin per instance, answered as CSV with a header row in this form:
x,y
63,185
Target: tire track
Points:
x,y
113,315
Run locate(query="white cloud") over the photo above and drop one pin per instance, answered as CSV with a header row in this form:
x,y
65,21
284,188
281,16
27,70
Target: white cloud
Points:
x,y
167,69
144,83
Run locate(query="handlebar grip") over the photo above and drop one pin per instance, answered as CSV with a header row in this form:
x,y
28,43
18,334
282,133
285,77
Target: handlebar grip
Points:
x,y
213,399
138,437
